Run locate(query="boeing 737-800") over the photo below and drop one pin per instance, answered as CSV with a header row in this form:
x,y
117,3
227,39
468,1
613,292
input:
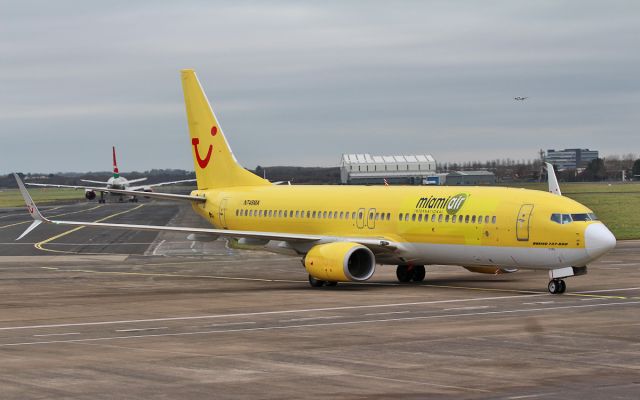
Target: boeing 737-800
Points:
x,y
117,181
342,232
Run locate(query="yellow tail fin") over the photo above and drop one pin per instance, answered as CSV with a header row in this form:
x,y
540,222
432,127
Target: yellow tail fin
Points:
x,y
214,162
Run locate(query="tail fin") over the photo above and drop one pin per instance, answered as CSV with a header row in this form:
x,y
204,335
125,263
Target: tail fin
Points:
x,y
214,162
116,174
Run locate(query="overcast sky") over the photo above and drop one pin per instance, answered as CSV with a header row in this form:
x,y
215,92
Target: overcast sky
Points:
x,y
300,83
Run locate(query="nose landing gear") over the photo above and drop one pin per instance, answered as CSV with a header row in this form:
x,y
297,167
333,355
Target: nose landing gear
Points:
x,y
557,286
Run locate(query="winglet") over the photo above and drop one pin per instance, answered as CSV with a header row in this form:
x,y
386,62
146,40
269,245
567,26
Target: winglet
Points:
x,y
31,207
553,181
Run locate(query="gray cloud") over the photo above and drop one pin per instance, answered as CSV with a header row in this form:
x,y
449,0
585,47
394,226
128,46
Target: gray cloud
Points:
x,y
301,82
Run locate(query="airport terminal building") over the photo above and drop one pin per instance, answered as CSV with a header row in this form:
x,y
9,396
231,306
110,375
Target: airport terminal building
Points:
x,y
570,158
365,169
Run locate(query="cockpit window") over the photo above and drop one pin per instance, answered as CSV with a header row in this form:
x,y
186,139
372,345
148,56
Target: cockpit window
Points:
x,y
584,217
561,218
568,218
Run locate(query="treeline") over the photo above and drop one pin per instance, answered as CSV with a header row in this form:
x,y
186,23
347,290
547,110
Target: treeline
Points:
x,y
295,175
609,168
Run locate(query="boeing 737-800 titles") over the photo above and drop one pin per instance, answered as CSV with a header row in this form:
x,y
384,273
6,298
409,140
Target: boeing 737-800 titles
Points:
x,y
115,182
342,232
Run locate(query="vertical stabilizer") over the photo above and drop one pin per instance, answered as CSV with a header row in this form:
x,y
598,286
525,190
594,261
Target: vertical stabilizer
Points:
x,y
116,174
214,163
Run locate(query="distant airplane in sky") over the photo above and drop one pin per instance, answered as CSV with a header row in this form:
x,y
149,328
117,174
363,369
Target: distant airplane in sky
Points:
x,y
341,232
518,98
115,182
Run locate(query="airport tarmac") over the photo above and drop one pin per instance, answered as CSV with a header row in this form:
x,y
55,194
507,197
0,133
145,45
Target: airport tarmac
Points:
x,y
118,314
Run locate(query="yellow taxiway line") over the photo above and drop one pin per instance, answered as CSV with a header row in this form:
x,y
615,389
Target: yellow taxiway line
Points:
x,y
52,216
40,244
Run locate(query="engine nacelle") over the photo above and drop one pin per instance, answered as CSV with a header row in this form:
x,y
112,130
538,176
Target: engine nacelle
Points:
x,y
488,269
89,194
340,262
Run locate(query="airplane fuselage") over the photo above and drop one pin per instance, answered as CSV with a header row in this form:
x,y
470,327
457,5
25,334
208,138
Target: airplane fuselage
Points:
x,y
468,226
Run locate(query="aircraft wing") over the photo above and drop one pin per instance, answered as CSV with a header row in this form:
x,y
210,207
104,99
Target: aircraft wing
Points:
x,y
98,182
159,184
129,192
97,189
378,245
136,180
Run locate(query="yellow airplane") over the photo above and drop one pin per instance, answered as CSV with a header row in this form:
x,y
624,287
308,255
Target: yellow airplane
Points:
x,y
342,232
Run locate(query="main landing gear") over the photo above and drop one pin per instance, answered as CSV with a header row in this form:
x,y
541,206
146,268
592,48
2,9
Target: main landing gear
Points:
x,y
316,283
557,286
408,273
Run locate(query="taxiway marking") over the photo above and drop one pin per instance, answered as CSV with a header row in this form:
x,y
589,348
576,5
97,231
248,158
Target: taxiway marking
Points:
x,y
40,244
258,313
53,216
344,323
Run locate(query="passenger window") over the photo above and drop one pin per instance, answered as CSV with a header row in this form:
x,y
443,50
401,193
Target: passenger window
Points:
x,y
341,214
400,217
297,213
346,215
473,219
413,217
453,219
419,217
360,215
388,216
446,218
330,215
324,214
493,220
486,219
433,218
280,213
406,217
466,219
440,218
353,215
313,215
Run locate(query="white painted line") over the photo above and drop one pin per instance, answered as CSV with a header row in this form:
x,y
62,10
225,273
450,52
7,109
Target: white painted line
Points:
x,y
142,329
345,323
539,302
58,334
608,290
294,311
310,318
230,324
467,308
388,313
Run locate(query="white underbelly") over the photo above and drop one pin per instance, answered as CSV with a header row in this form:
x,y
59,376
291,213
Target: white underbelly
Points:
x,y
518,257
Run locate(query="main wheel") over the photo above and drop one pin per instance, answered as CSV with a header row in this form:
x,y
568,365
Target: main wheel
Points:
x,y
314,282
404,273
331,283
563,286
418,273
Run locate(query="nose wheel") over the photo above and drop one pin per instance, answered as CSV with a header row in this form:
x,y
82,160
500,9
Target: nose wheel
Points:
x,y
557,286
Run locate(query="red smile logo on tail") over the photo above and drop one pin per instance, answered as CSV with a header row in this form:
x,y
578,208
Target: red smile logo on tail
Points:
x,y
203,162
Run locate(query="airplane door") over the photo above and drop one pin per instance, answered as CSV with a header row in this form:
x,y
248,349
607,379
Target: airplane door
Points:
x,y
222,213
360,218
371,218
522,223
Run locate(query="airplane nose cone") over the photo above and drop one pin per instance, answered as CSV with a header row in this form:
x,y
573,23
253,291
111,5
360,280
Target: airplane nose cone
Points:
x,y
598,240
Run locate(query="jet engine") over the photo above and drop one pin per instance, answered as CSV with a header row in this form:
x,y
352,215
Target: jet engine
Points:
x,y
340,262
89,194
